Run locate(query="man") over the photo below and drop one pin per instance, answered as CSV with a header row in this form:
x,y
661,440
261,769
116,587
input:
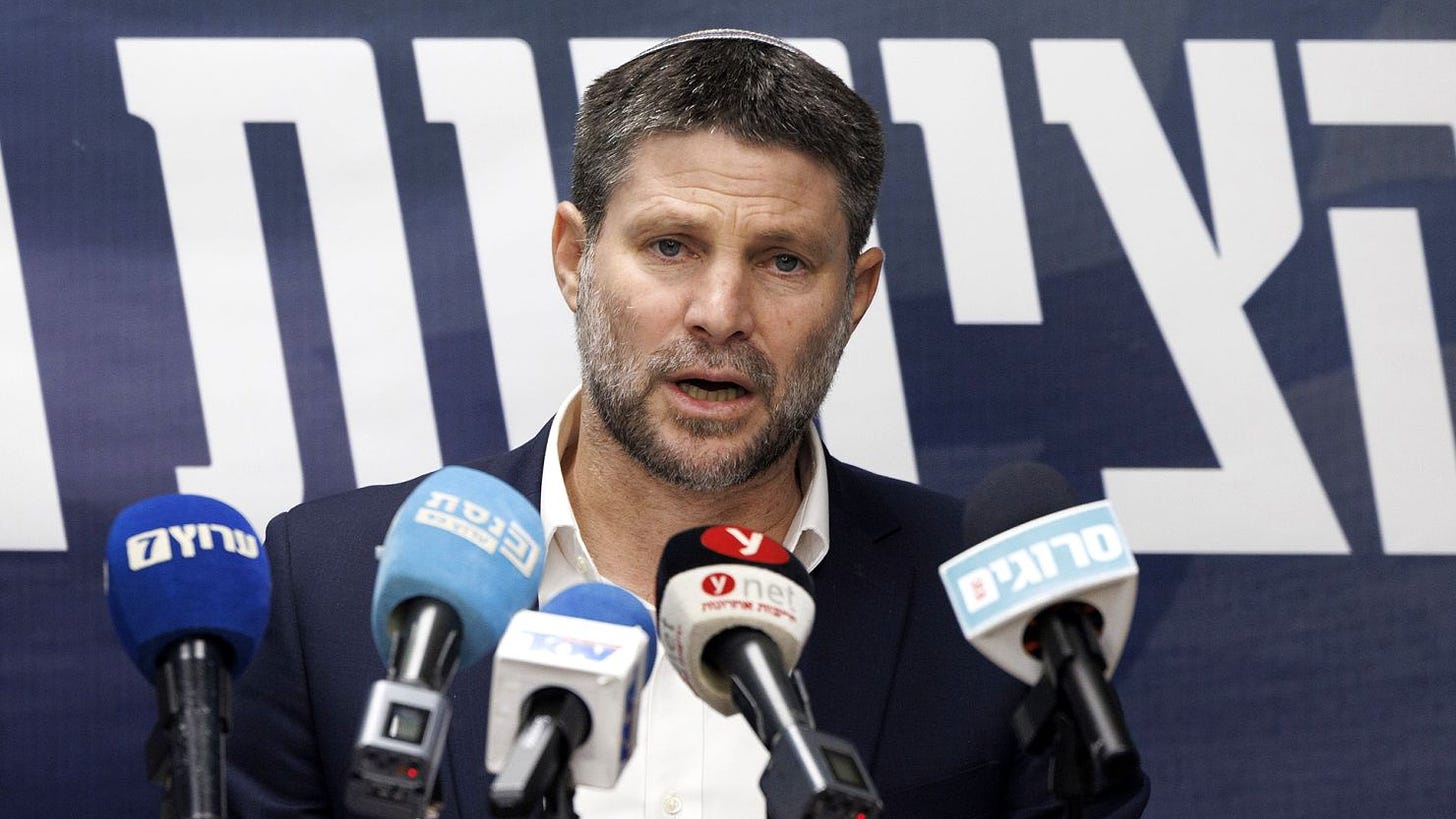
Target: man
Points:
x,y
722,188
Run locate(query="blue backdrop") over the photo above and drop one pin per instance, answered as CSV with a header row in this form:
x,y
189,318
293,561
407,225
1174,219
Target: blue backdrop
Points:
x,y
1197,256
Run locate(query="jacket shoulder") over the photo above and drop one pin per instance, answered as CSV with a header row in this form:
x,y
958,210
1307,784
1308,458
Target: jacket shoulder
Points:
x,y
367,511
884,507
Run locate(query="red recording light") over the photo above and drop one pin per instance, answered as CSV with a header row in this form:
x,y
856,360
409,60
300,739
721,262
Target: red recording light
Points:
x,y
412,772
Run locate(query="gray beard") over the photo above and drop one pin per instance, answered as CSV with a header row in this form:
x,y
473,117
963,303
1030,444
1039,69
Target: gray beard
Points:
x,y
619,383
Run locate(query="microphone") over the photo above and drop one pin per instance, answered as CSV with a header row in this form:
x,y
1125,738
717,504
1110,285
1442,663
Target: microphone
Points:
x,y
734,611
463,553
1047,593
570,676
188,589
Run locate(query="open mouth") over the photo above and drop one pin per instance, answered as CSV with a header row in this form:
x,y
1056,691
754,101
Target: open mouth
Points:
x,y
703,390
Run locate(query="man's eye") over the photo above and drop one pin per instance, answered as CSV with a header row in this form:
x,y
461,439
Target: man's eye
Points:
x,y
668,247
786,263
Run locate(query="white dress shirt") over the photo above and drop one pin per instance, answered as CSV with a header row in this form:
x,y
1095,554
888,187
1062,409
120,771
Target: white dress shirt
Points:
x,y
691,762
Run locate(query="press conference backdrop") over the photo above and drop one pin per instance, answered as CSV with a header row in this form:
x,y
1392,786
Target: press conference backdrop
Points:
x,y
1198,256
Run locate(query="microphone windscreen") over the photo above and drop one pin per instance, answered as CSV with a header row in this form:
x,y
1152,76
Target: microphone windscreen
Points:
x,y
182,566
472,542
716,545
606,603
715,578
1031,546
1014,494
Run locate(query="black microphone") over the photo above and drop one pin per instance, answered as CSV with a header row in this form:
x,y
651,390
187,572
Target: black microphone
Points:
x,y
734,611
1046,591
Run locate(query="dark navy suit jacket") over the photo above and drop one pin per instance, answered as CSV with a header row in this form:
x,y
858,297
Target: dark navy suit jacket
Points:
x,y
886,665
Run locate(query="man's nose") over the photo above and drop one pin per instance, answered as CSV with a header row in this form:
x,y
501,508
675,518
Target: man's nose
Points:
x,y
720,304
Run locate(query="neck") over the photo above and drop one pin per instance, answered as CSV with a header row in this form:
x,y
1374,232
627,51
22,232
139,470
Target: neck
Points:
x,y
602,480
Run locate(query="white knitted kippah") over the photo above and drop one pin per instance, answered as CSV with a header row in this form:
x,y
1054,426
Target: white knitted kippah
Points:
x,y
720,34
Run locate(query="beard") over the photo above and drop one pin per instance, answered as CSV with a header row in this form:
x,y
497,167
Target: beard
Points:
x,y
619,383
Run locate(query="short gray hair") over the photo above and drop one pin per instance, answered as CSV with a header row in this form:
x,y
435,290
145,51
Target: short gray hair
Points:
x,y
751,86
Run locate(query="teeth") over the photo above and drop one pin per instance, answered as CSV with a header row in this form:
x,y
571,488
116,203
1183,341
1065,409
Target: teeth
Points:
x,y
725,394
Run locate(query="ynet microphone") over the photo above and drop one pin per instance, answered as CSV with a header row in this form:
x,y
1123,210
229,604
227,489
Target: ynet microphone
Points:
x,y
1047,593
734,611
188,588
569,676
463,553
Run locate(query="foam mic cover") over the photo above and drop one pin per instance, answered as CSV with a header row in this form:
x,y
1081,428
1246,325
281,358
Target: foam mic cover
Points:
x,y
597,643
715,578
1034,547
185,566
472,542
1014,494
606,603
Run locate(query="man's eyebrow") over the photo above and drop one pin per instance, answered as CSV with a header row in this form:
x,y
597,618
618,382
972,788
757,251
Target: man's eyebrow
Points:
x,y
814,244
672,219
670,224
664,218
785,237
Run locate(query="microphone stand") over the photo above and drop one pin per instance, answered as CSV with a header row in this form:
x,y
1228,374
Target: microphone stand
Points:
x,y
185,749
561,799
1073,710
539,765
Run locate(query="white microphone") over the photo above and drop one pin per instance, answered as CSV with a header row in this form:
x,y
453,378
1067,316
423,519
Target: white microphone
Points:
x,y
1047,593
734,611
564,693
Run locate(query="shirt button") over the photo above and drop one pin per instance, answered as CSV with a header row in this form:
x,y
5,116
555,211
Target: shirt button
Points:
x,y
673,804
581,564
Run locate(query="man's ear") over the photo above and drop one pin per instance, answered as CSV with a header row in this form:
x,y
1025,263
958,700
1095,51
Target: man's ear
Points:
x,y
866,281
568,243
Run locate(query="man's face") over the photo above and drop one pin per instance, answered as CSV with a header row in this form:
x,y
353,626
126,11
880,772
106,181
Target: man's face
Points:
x,y
713,307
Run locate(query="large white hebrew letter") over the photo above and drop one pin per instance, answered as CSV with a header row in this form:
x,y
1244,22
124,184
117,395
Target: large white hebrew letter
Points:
x,y
198,94
1264,497
27,471
487,89
954,91
1394,346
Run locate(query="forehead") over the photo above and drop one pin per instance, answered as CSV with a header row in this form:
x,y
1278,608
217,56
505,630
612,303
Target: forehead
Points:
x,y
709,175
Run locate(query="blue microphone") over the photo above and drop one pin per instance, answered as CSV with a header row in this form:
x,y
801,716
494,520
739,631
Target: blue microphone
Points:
x,y
564,697
188,588
607,604
464,552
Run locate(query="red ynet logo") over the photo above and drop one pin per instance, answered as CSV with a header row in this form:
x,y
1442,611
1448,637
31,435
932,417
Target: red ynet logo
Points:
x,y
745,544
718,584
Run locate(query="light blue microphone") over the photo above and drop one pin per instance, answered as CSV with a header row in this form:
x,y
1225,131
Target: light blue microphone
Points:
x,y
464,552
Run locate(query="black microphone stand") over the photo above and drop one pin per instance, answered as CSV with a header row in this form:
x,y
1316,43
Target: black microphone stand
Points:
x,y
538,769
809,773
1073,710
561,799
185,749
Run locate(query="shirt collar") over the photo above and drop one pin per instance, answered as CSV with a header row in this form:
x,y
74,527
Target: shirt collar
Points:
x,y
568,561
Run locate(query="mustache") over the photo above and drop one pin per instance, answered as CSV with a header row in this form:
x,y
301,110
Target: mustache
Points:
x,y
742,357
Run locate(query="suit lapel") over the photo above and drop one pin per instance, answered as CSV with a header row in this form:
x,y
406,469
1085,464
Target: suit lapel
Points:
x,y
861,596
